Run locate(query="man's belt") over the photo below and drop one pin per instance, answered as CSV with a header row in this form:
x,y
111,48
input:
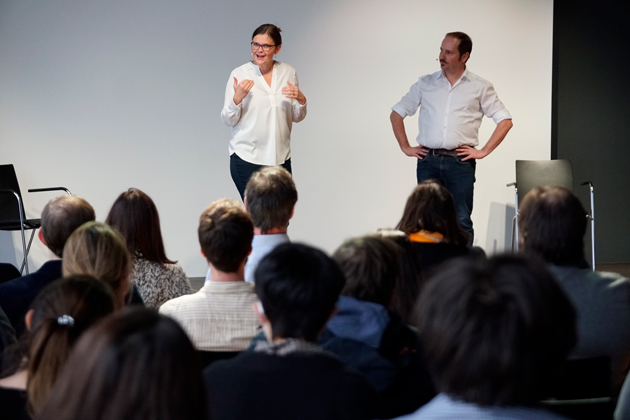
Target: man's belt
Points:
x,y
443,152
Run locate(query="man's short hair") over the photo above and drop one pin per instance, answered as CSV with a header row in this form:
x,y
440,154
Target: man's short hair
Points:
x,y
298,287
271,196
62,216
465,43
552,223
494,330
371,265
225,234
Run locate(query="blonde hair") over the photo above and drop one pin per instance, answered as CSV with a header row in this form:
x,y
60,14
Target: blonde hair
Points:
x,y
98,250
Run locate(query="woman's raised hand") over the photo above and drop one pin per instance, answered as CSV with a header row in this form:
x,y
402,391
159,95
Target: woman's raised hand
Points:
x,y
241,89
293,92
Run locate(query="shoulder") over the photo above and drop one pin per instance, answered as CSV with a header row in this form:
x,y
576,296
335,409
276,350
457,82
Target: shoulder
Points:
x,y
245,69
472,77
182,303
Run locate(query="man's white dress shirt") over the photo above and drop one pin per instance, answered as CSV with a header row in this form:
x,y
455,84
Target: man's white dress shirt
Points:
x,y
450,116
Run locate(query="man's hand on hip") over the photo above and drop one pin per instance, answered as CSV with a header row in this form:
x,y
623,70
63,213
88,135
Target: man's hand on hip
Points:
x,y
470,153
416,151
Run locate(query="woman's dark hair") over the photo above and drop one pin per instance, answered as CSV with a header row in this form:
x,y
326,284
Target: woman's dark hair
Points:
x,y
135,216
298,287
552,223
407,290
135,364
495,330
372,267
269,29
61,313
431,207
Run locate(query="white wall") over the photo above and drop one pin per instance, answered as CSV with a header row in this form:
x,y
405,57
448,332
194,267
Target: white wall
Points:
x,y
103,96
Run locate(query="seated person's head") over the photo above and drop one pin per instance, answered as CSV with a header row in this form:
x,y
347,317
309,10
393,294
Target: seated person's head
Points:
x,y
372,268
60,217
495,330
430,207
58,316
225,235
97,250
270,198
298,287
134,364
135,216
552,224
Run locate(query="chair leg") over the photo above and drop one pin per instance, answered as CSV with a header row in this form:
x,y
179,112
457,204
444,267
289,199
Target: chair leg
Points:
x,y
513,231
28,249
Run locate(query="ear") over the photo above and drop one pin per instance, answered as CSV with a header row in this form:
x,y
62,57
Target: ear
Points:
x,y
278,49
40,235
245,203
292,211
28,318
465,57
201,250
262,318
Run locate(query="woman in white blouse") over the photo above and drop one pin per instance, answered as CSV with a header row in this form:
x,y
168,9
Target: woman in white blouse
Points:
x,y
262,101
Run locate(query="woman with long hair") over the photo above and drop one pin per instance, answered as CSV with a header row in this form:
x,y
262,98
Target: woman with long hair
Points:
x,y
136,364
58,316
157,278
430,221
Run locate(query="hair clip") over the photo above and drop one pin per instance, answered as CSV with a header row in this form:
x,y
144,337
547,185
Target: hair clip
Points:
x,y
65,320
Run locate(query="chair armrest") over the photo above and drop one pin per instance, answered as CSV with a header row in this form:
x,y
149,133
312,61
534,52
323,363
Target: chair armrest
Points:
x,y
32,190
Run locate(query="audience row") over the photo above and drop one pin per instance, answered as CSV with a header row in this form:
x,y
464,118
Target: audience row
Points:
x,y
408,322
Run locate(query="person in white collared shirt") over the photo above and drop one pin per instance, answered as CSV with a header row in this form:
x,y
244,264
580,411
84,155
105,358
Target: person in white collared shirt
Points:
x,y
452,104
262,101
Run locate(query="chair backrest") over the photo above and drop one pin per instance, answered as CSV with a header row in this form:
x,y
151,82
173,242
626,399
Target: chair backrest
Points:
x,y
537,173
9,210
209,357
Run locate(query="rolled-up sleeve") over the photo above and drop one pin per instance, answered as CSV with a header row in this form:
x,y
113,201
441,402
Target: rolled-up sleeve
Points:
x,y
231,113
409,103
299,110
492,106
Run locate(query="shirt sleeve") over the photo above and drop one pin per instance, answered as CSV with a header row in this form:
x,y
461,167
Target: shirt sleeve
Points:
x,y
231,113
492,106
299,110
409,103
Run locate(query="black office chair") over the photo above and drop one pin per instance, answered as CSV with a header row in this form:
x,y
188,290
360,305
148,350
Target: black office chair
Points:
x,y
537,173
12,216
581,390
209,357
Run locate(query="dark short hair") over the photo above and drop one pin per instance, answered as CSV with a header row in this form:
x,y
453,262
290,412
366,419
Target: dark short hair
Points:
x,y
134,364
495,330
225,234
431,207
465,43
270,197
298,287
552,224
372,266
61,216
85,300
269,29
135,216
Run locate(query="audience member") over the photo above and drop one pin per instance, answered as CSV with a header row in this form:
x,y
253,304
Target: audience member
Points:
x,y
372,268
289,376
552,223
430,220
157,278
220,317
58,316
407,290
60,217
494,331
135,364
95,249
7,338
270,198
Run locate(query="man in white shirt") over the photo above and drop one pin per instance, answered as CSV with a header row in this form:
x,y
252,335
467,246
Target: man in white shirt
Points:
x,y
452,104
220,317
